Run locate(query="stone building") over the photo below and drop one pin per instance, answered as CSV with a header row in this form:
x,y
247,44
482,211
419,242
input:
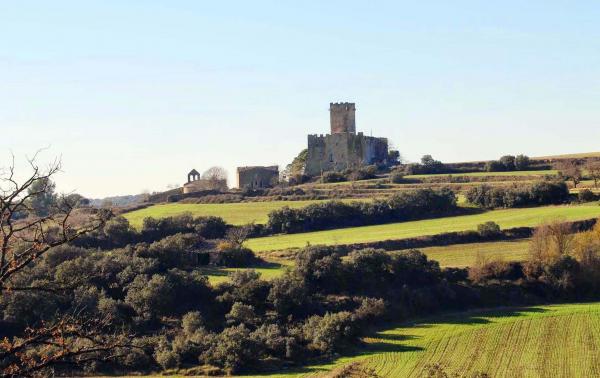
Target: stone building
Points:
x,y
343,148
197,184
257,177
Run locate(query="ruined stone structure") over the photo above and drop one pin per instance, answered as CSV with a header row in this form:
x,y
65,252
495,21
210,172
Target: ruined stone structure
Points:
x,y
343,148
196,184
257,177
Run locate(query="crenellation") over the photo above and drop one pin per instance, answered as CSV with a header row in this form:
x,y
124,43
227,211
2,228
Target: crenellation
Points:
x,y
342,117
343,148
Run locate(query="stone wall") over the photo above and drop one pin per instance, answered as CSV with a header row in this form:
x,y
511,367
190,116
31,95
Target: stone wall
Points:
x,y
202,185
257,177
340,151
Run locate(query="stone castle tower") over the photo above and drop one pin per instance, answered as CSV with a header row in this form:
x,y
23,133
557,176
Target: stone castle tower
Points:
x,y
343,148
342,118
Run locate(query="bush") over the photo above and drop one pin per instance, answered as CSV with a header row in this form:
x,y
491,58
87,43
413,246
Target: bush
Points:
x,y
489,229
208,227
173,251
494,166
428,165
236,257
119,232
331,176
586,195
364,173
174,293
522,162
508,161
402,206
167,359
232,349
327,333
483,271
397,177
540,193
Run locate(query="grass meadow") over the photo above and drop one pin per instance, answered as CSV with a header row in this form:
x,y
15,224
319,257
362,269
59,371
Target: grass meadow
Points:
x,y
541,341
233,213
464,255
506,218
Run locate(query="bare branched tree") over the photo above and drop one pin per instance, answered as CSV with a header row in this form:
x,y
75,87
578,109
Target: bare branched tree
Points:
x,y
237,236
570,170
551,241
71,340
593,170
25,236
217,177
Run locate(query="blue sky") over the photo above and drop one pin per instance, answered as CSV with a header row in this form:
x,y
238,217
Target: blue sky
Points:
x,y
133,94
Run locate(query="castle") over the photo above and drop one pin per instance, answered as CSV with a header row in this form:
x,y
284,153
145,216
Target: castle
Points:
x,y
344,148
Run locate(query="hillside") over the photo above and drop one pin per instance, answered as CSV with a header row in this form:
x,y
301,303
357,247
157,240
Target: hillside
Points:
x,y
505,218
540,341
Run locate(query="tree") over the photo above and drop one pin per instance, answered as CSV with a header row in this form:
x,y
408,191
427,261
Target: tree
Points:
x,y
550,241
217,177
509,162
570,170
522,162
215,173
69,338
430,165
593,169
427,160
494,166
238,235
76,199
41,196
23,241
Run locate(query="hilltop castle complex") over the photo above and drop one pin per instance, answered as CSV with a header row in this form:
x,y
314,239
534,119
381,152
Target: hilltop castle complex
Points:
x,y
343,148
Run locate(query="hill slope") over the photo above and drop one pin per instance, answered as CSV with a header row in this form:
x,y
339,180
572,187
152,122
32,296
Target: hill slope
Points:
x,y
505,218
541,341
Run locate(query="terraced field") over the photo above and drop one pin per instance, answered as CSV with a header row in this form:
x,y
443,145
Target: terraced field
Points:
x,y
541,341
233,213
464,255
457,255
505,218
550,172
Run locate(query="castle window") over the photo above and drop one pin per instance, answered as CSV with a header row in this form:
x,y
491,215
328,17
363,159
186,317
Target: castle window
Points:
x,y
331,157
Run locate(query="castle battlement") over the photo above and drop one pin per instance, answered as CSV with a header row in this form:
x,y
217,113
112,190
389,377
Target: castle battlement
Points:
x,y
343,148
342,117
342,105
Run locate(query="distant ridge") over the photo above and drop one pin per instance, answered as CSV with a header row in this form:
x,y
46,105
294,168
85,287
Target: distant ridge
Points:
x,y
569,156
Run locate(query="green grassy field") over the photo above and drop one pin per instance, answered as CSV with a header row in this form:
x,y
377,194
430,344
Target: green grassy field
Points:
x,y
233,213
541,341
464,255
505,218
